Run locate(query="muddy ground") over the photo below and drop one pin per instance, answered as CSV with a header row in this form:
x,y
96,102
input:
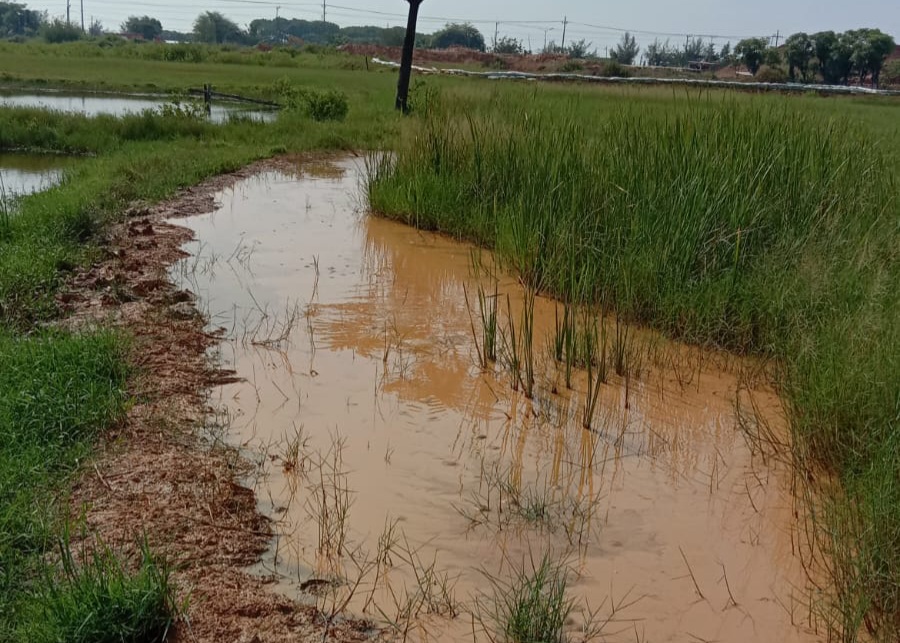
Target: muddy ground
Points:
x,y
163,474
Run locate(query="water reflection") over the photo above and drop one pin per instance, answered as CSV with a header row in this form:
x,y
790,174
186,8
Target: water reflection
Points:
x,y
120,105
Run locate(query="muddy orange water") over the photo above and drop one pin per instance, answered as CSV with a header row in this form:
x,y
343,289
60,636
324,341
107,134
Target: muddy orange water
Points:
x,y
408,484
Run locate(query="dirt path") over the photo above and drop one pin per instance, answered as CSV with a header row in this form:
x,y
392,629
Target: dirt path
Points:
x,y
160,474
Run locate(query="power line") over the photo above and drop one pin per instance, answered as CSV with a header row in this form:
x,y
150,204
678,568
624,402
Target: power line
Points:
x,y
242,7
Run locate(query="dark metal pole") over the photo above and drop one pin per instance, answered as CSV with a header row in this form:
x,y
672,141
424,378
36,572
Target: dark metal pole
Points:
x,y
409,44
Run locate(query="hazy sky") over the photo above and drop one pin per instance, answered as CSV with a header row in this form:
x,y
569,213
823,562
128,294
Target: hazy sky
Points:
x,y
588,19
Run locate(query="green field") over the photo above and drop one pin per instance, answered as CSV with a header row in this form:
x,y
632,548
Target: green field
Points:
x,y
767,225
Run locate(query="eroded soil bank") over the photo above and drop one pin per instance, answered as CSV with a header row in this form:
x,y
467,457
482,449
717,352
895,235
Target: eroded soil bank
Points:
x,y
161,475
403,480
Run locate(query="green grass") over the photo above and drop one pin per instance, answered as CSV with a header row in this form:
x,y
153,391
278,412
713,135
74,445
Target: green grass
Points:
x,y
142,68
532,607
765,225
99,600
57,391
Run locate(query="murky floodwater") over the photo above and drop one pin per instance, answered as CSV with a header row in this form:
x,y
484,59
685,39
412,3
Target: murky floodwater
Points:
x,y
120,105
364,398
22,174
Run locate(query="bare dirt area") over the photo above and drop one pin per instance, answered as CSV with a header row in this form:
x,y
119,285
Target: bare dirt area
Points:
x,y
160,475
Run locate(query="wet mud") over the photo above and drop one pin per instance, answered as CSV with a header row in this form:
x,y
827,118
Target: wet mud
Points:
x,y
405,481
165,474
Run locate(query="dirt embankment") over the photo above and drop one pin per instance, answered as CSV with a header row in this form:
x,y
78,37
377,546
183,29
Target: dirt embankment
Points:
x,y
159,475
462,56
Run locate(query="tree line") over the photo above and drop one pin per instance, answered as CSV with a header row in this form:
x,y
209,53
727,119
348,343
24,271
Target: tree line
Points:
x,y
836,58
857,55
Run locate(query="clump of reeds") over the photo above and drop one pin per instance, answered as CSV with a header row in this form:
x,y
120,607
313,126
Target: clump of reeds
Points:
x,y
488,312
751,224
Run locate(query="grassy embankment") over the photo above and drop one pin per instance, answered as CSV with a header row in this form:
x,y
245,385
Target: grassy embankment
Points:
x,y
144,68
765,225
59,391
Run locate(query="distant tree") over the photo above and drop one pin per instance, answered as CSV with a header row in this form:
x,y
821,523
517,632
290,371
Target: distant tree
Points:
x,y
710,54
18,20
458,35
626,51
891,73
553,47
145,26
870,49
659,54
772,57
693,51
798,52
95,29
175,36
580,49
833,56
507,45
214,28
313,32
57,31
725,54
751,52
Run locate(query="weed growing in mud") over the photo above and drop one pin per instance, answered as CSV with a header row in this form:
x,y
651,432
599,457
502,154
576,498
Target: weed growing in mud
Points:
x,y
294,454
503,500
432,594
533,606
488,313
517,345
330,500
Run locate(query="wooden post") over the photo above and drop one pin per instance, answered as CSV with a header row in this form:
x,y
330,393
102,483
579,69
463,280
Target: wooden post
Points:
x,y
409,43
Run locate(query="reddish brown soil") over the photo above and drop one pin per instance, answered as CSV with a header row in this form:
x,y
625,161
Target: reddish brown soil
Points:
x,y
157,475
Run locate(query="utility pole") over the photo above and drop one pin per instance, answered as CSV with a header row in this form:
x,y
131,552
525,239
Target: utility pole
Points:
x,y
82,16
777,37
496,31
323,10
278,25
565,24
68,12
409,44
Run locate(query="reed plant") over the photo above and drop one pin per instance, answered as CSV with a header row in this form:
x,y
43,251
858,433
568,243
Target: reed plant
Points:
x,y
752,224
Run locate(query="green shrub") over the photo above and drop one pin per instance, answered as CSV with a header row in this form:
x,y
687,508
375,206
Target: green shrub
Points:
x,y
58,31
571,66
613,69
320,105
767,74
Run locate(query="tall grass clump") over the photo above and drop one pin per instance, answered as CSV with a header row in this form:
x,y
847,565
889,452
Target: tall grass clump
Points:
x,y
532,607
99,600
750,224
